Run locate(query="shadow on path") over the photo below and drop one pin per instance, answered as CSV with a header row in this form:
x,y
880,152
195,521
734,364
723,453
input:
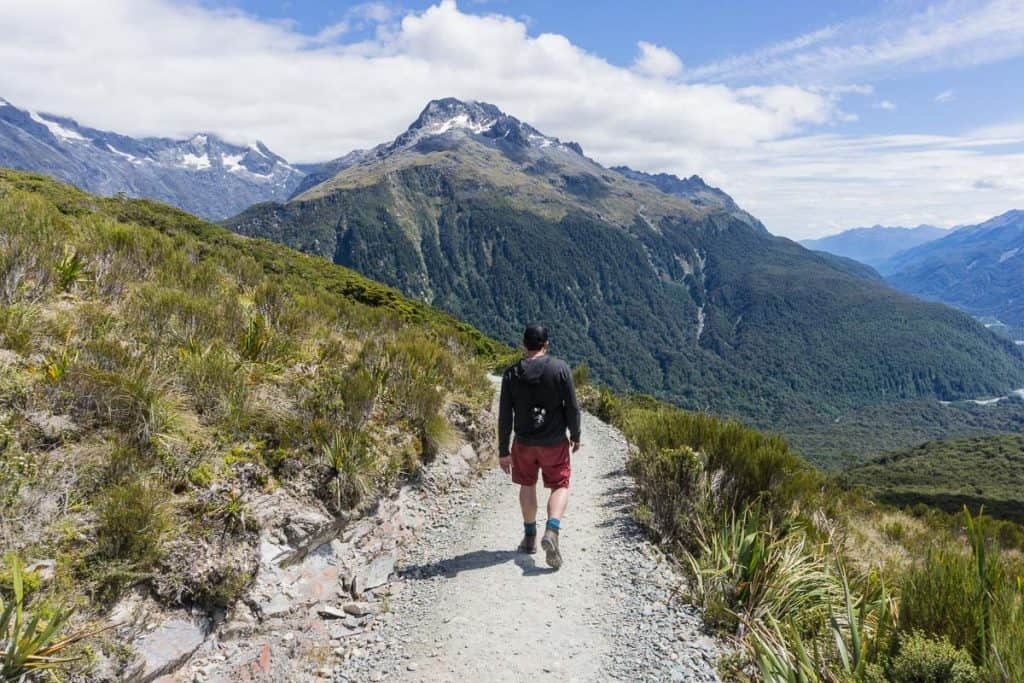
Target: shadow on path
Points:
x,y
478,559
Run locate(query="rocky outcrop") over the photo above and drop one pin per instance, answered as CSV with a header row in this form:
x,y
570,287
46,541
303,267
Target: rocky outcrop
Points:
x,y
319,580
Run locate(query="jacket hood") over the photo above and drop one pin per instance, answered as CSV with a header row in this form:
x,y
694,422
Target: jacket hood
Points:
x,y
531,371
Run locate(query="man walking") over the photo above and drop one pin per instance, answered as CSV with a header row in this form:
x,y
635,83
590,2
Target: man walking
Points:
x,y
539,401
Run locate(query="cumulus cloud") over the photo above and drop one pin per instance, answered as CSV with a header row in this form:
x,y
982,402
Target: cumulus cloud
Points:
x,y
156,67
657,61
888,105
945,96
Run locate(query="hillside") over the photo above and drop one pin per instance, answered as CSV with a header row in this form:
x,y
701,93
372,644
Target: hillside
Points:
x,y
982,471
202,174
482,215
694,190
174,397
978,268
874,246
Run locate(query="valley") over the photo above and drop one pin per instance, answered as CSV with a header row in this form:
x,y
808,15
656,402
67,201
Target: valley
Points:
x,y
265,271
482,215
256,439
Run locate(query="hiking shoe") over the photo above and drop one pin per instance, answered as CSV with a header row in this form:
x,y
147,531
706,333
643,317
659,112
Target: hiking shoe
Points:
x,y
528,545
550,545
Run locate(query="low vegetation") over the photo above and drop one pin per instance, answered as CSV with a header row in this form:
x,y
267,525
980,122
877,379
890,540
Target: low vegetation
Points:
x,y
158,372
857,436
817,583
981,472
704,311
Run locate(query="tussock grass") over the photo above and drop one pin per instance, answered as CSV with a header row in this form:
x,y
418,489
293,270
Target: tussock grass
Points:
x,y
199,369
813,582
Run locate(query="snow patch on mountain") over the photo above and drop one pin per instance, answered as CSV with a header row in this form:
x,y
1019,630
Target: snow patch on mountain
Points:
x,y
233,162
130,157
195,161
58,131
201,174
460,121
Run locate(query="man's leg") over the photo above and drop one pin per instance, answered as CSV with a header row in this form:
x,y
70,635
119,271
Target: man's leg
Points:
x,y
528,502
556,477
558,501
524,472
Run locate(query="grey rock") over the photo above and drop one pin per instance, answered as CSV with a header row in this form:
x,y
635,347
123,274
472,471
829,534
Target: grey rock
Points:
x,y
358,609
169,645
375,574
278,606
328,612
340,631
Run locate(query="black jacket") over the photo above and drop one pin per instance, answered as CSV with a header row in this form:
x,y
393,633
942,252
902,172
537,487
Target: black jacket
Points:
x,y
538,397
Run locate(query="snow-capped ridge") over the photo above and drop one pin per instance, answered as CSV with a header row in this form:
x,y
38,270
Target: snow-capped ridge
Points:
x,y
58,131
453,116
200,173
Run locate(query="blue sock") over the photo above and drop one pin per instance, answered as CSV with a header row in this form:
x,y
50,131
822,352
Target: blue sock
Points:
x,y
530,528
554,524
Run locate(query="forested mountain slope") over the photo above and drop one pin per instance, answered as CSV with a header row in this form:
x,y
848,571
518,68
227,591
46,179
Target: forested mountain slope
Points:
x,y
482,215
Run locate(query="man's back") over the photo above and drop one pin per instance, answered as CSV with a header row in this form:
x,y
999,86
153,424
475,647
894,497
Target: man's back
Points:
x,y
539,400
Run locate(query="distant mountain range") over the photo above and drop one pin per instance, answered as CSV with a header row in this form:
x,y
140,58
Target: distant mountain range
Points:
x,y
203,174
661,284
979,268
877,244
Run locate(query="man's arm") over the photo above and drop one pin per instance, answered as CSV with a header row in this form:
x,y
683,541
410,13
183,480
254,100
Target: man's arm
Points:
x,y
504,417
572,407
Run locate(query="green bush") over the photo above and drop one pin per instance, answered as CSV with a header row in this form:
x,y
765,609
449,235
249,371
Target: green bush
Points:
x,y
668,492
581,375
344,397
19,325
926,660
353,468
970,598
137,399
213,376
131,520
747,466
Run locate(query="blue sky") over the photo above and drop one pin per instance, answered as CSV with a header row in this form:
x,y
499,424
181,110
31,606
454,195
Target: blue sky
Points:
x,y
707,32
815,116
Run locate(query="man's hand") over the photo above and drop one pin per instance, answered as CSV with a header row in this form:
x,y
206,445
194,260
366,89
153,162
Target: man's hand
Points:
x,y
574,446
506,464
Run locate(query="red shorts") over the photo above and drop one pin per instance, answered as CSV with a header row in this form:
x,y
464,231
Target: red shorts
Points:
x,y
552,461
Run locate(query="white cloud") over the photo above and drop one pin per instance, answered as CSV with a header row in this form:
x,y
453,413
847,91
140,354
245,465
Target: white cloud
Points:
x,y
888,105
945,96
817,184
953,33
156,67
657,61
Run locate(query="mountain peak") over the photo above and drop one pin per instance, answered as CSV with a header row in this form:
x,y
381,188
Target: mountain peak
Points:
x,y
447,113
452,116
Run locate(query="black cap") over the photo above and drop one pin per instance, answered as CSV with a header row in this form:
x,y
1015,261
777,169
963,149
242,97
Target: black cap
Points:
x,y
535,336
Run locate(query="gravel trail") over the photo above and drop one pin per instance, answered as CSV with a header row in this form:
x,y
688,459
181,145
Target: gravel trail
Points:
x,y
467,608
